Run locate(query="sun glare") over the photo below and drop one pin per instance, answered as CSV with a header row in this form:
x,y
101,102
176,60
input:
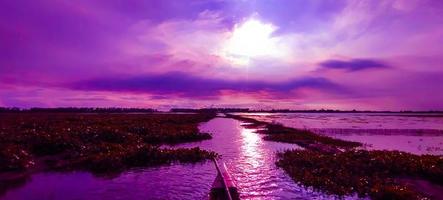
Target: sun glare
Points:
x,y
251,39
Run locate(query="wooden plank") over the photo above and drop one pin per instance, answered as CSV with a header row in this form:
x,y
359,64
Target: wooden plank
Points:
x,y
223,181
223,186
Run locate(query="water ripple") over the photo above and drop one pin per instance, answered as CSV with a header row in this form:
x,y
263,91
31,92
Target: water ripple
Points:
x,y
250,159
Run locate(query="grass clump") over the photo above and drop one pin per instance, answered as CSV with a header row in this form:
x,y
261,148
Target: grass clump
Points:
x,y
336,167
15,158
120,158
97,142
304,138
301,137
367,173
251,123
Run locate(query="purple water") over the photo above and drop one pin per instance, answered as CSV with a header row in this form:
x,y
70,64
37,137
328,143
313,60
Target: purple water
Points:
x,y
250,160
413,133
355,120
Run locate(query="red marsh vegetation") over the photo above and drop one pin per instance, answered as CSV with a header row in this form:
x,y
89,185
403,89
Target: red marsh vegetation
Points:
x,y
97,142
336,167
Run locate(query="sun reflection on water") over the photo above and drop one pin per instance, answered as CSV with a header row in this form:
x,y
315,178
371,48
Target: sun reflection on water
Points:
x,y
251,142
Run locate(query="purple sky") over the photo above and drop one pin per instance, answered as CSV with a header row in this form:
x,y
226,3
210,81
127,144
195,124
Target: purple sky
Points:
x,y
356,54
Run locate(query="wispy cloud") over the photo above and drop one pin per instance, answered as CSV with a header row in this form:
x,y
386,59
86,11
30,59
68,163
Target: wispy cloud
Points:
x,y
184,85
178,46
354,64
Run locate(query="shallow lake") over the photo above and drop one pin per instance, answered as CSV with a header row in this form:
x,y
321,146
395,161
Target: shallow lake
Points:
x,y
413,133
250,160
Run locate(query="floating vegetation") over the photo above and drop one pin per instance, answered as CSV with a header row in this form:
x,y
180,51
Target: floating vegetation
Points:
x,y
251,123
97,142
280,133
118,158
14,158
367,173
301,137
336,167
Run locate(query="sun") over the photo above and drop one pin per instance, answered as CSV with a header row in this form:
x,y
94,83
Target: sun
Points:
x,y
251,39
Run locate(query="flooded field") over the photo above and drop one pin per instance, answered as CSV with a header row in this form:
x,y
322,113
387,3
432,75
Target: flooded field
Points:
x,y
249,158
413,133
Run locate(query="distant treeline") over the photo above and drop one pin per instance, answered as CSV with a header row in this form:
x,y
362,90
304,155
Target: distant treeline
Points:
x,y
227,110
78,110
191,110
338,111
223,110
332,111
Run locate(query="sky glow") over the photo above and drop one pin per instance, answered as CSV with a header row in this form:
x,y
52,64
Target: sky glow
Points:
x,y
351,54
251,39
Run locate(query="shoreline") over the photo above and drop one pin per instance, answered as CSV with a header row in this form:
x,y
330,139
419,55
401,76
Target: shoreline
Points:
x,y
341,155
101,144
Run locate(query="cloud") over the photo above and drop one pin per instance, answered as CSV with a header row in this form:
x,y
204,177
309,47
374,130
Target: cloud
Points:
x,y
185,85
46,44
354,64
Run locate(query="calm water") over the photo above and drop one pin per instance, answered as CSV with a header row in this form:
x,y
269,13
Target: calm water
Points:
x,y
249,159
413,133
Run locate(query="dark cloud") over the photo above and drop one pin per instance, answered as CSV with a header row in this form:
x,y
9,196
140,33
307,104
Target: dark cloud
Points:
x,y
353,65
184,85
